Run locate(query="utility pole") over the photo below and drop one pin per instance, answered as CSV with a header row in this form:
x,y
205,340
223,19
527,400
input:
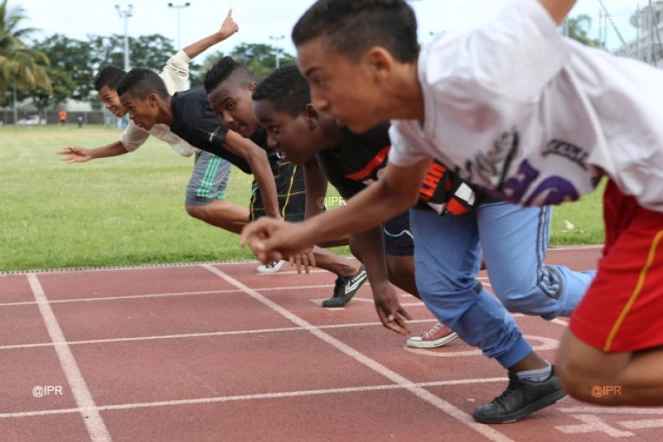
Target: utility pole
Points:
x,y
278,49
619,35
601,25
15,105
177,8
638,25
566,27
125,14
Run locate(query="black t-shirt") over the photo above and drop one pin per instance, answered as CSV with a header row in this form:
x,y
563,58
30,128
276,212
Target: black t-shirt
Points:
x,y
195,122
362,159
259,138
358,161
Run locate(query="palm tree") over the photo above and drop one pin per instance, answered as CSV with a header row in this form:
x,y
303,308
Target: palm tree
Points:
x,y
20,66
577,29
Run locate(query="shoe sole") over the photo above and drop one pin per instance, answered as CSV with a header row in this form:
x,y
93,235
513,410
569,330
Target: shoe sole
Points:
x,y
268,271
432,344
523,413
326,303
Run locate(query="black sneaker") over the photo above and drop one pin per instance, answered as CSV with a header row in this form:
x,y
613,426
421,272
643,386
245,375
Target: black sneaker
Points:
x,y
346,287
520,399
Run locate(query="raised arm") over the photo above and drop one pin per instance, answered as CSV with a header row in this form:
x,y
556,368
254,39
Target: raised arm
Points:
x,y
228,28
176,71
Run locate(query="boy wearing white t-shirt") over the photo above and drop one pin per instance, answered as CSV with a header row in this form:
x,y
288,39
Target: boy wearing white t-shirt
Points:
x,y
205,194
534,117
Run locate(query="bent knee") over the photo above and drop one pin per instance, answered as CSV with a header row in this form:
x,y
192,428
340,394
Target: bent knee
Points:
x,y
585,372
517,304
198,212
588,389
354,248
401,267
576,381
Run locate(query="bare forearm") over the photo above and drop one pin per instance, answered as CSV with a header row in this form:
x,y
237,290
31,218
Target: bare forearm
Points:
x,y
316,188
111,150
197,48
259,164
266,183
371,249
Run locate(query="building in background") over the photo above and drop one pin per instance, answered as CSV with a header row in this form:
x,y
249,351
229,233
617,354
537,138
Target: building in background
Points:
x,y
647,45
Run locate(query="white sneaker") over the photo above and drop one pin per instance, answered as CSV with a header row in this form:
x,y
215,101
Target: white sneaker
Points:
x,y
270,268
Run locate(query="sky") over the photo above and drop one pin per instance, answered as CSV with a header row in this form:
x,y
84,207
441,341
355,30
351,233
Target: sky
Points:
x,y
261,19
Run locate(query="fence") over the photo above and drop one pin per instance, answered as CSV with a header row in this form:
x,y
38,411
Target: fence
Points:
x,y
52,117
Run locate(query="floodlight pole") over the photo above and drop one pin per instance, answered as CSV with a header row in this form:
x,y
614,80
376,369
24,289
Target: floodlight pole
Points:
x,y
125,14
179,29
278,49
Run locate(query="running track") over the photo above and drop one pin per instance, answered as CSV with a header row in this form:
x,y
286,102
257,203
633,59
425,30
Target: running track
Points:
x,y
218,353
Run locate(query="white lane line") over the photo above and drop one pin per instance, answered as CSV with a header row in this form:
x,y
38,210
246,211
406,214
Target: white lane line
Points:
x,y
196,264
611,410
92,419
421,393
278,395
167,295
203,334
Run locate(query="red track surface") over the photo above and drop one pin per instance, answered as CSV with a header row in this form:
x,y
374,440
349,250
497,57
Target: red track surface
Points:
x,y
211,353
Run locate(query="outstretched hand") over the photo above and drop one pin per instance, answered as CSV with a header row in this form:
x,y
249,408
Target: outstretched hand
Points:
x,y
75,154
272,240
229,26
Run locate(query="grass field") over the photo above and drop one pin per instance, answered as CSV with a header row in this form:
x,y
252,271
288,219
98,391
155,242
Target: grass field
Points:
x,y
130,209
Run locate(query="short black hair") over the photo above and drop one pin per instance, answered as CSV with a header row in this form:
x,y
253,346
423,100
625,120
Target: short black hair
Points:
x,y
228,69
351,27
141,82
287,88
108,76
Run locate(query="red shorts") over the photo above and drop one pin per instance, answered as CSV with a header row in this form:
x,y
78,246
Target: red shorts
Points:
x,y
623,308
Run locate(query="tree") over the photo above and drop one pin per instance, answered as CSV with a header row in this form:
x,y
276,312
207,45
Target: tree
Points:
x,y
82,59
577,29
147,51
260,58
73,57
19,64
62,88
197,71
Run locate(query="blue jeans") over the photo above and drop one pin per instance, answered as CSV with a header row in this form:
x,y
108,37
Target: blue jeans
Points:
x,y
514,240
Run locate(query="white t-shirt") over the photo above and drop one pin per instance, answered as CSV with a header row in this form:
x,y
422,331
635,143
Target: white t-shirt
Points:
x,y
176,76
520,109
